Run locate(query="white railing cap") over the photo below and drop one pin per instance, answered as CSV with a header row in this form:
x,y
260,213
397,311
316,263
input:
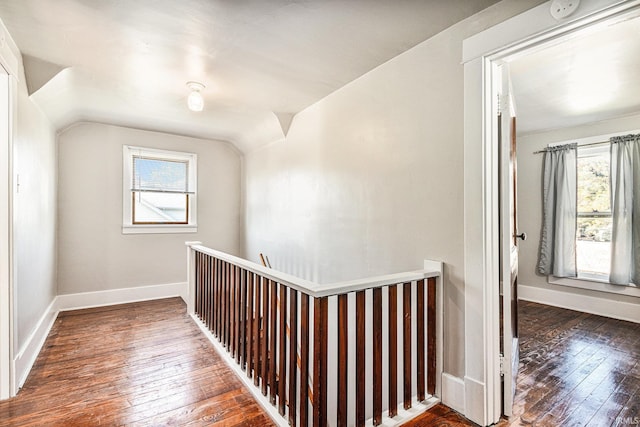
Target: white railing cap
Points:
x,y
314,289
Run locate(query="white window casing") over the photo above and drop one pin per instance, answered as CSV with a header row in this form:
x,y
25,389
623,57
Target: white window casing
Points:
x,y
128,186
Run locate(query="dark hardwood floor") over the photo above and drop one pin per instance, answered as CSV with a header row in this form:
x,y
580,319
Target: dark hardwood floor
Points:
x,y
576,369
147,364
141,364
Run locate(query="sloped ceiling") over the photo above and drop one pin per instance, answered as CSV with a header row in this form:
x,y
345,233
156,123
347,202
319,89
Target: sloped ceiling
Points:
x,y
127,62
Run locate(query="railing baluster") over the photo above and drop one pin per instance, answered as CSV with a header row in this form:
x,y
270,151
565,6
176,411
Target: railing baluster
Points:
x,y
227,303
293,354
203,284
420,339
272,342
198,291
234,311
265,334
223,312
243,318
360,358
256,332
377,356
343,353
220,298
406,338
304,360
216,290
320,362
250,322
248,306
393,350
238,308
209,293
431,335
282,369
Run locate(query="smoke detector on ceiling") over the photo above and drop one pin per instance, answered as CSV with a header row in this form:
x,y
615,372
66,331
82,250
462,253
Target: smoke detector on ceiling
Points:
x,y
561,9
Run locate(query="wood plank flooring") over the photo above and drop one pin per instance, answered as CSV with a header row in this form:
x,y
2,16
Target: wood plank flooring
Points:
x,y
141,364
576,369
147,364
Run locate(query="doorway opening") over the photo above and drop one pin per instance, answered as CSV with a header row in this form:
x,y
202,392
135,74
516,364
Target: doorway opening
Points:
x,y
482,55
581,87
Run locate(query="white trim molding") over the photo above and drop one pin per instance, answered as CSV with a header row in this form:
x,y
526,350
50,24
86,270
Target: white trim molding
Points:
x,y
81,300
453,394
595,285
26,357
9,75
475,400
588,304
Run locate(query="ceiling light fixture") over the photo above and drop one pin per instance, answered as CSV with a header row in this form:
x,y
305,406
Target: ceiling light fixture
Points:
x,y
195,101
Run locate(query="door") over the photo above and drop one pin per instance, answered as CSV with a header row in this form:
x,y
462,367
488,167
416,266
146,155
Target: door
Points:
x,y
508,242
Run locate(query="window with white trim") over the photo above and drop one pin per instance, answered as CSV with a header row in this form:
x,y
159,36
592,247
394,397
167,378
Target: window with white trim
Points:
x,y
159,191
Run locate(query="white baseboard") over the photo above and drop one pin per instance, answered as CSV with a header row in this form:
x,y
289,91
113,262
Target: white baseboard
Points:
x,y
453,392
26,357
588,304
81,300
474,399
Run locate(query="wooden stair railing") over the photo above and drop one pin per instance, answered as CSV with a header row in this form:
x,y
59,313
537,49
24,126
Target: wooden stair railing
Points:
x,y
263,320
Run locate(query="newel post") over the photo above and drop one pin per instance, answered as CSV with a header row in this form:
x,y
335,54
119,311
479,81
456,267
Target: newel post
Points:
x,y
191,277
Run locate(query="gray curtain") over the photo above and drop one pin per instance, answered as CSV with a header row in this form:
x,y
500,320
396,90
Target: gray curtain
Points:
x,y
558,241
625,209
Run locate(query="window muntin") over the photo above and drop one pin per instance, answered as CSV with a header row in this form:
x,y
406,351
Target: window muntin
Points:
x,y
159,191
593,235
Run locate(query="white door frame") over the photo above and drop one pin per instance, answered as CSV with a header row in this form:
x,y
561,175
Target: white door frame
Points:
x,y
9,70
480,53
6,240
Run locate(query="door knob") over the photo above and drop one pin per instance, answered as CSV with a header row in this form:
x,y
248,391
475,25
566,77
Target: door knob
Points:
x,y
522,236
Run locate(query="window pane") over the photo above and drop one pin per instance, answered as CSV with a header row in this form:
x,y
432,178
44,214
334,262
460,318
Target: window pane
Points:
x,y
159,175
593,239
160,208
593,179
593,245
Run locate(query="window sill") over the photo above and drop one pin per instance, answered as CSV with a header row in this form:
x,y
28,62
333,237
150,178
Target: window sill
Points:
x,y
595,284
159,229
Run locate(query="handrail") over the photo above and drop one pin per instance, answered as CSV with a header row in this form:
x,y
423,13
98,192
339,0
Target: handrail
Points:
x,y
312,289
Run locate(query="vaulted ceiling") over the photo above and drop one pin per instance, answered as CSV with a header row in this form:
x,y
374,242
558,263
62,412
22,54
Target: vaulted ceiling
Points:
x,y
127,62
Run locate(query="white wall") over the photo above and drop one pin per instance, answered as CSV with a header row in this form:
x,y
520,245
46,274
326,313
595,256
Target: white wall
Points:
x,y
34,216
530,208
93,254
370,179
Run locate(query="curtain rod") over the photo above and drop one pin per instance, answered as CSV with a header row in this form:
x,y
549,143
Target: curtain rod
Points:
x,y
581,145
